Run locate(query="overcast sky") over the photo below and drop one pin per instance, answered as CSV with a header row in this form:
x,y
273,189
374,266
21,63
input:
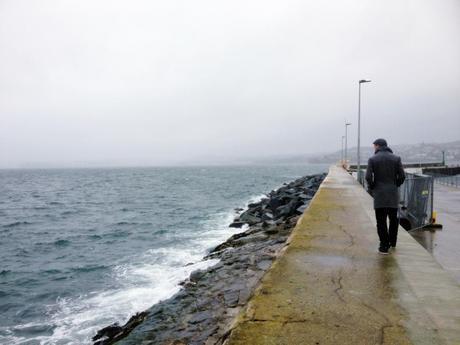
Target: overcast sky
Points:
x,y
162,82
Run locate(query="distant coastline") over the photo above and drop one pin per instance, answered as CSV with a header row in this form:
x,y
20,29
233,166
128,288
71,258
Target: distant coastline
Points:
x,y
411,153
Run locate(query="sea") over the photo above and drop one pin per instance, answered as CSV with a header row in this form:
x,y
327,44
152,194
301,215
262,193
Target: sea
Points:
x,y
83,248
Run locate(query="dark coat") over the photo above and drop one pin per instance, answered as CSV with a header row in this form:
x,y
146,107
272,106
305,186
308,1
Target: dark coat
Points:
x,y
384,175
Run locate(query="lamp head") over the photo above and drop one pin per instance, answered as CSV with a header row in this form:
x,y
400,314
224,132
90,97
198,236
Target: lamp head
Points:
x,y
364,81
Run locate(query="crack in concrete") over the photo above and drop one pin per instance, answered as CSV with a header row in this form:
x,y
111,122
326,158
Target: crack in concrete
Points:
x,y
341,227
350,236
351,243
340,286
387,323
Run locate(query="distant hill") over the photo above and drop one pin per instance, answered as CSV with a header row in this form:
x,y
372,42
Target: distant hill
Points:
x,y
410,153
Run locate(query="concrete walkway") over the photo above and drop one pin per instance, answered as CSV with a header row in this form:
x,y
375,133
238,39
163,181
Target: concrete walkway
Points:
x,y
330,286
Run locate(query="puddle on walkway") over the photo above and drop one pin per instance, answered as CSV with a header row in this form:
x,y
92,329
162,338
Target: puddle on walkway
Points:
x,y
328,260
443,245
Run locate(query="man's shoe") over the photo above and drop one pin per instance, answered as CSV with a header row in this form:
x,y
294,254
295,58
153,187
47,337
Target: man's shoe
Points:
x,y
383,250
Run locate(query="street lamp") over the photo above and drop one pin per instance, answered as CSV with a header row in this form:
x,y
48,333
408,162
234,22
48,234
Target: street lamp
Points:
x,y
341,156
358,160
346,141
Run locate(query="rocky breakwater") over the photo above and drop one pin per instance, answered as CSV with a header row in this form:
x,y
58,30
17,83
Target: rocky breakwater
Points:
x,y
203,311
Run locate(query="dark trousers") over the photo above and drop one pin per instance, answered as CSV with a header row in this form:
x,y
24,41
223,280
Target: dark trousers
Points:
x,y
387,235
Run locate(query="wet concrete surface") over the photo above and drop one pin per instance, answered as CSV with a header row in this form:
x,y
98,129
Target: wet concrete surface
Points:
x,y
330,286
444,244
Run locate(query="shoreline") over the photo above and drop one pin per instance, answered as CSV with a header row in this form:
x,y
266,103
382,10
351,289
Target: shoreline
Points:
x,y
203,311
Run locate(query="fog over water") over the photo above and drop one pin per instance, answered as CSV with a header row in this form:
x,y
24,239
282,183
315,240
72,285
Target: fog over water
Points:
x,y
113,82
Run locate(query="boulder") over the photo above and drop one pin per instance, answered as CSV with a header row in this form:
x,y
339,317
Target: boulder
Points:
x,y
196,275
108,332
249,218
302,208
268,223
112,333
274,203
267,216
282,211
236,224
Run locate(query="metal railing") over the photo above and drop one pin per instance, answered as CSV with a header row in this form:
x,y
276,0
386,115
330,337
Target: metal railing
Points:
x,y
362,179
447,180
415,198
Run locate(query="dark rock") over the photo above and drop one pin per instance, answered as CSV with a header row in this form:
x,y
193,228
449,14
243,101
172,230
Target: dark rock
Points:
x,y
237,224
271,231
302,208
264,264
267,216
196,275
200,316
108,332
115,332
274,203
244,295
282,211
280,240
249,218
231,298
268,223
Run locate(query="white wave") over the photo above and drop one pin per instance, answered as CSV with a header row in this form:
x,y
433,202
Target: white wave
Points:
x,y
153,277
256,198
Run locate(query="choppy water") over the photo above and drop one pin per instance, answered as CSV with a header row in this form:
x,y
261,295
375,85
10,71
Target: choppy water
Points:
x,y
83,248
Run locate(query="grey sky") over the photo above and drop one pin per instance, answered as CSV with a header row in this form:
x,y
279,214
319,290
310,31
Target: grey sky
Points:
x,y
160,82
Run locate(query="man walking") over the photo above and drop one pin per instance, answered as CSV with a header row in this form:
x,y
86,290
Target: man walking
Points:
x,y
384,175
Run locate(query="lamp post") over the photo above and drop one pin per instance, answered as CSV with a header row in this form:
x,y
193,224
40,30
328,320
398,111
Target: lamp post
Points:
x,y
346,141
341,156
358,158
